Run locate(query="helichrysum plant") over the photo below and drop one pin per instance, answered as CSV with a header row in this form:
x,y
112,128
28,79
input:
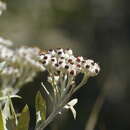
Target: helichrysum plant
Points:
x,y
64,69
20,65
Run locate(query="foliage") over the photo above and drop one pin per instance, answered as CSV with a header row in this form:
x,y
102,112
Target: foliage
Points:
x,y
40,107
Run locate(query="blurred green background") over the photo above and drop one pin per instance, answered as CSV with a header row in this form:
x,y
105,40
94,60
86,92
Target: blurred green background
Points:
x,y
97,29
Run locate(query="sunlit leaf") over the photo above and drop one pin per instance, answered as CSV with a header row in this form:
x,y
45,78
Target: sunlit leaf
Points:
x,y
24,119
40,107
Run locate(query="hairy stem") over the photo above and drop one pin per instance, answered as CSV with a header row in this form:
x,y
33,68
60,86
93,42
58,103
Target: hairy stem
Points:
x,y
60,106
45,123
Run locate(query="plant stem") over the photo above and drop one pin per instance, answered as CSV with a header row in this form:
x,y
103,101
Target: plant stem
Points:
x,y
44,124
83,82
60,106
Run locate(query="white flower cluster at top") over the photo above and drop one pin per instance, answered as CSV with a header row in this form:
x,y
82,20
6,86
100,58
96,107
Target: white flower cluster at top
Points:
x,y
2,7
67,74
17,66
64,68
63,61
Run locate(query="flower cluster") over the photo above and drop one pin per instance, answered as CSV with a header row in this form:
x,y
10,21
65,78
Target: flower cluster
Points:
x,y
29,57
63,61
2,7
17,66
64,68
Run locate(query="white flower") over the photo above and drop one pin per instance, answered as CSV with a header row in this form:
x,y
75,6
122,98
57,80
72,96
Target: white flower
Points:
x,y
60,53
91,68
61,63
94,70
18,66
72,72
79,59
52,52
69,51
64,69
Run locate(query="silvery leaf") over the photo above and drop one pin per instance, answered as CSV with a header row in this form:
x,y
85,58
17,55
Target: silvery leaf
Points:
x,y
70,105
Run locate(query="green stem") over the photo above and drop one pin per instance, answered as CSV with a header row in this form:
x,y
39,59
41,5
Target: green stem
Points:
x,y
45,123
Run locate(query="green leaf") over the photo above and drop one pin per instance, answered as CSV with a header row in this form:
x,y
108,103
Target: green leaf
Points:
x,y
1,122
24,119
40,107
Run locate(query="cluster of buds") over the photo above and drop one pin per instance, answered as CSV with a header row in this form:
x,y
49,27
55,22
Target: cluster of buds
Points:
x,y
64,68
17,66
63,61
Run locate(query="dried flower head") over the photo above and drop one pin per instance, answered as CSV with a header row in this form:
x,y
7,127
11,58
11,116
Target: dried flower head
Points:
x,y
64,68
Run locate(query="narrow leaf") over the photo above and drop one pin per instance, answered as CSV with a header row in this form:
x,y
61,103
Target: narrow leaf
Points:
x,y
73,112
70,105
73,102
40,107
24,118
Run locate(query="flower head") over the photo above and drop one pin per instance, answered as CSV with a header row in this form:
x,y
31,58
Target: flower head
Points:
x,y
64,68
65,62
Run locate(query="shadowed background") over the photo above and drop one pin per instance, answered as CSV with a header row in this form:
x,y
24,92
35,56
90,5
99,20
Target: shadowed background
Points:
x,y
97,29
